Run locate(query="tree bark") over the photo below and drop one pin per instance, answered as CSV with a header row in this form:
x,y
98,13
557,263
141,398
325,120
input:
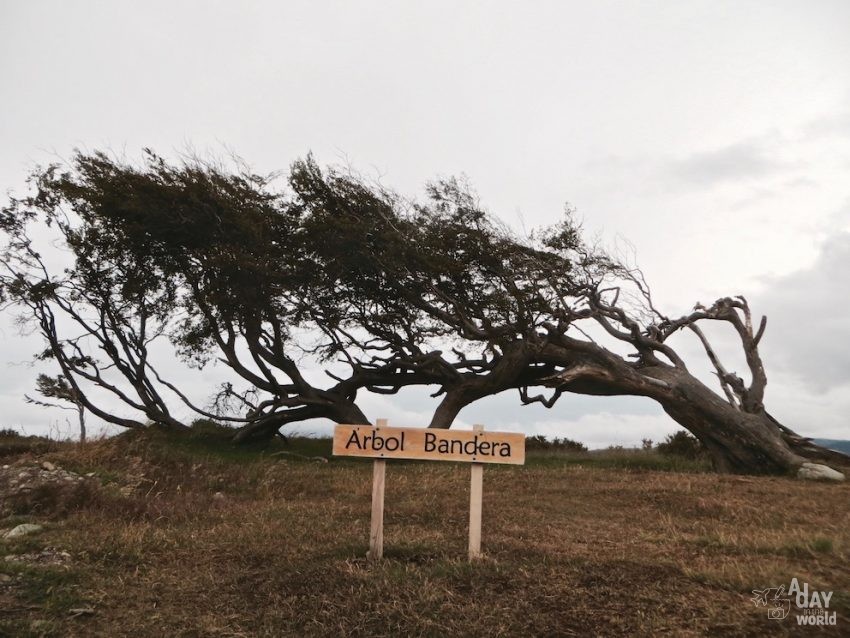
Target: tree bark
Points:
x,y
451,405
268,427
738,442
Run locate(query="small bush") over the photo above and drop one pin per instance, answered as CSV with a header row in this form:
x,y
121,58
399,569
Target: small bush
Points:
x,y
54,500
14,443
540,442
683,445
210,428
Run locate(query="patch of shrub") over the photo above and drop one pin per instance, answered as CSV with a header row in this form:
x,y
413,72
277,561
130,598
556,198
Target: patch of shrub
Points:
x,y
53,500
540,442
209,427
13,443
683,445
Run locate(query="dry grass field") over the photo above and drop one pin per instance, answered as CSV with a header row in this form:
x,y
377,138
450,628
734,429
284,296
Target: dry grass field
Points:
x,y
183,536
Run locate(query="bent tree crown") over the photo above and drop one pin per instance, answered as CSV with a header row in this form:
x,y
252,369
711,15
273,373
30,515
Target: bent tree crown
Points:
x,y
387,292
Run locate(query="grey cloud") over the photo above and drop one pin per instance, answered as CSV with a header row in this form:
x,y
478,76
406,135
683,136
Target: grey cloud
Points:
x,y
736,162
828,126
808,332
840,219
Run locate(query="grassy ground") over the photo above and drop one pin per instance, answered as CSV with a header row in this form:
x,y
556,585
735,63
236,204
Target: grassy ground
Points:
x,y
181,536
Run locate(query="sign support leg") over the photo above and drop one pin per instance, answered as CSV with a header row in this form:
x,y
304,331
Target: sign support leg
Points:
x,y
376,531
476,492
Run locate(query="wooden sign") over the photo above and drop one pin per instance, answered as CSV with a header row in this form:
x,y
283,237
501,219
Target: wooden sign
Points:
x,y
382,442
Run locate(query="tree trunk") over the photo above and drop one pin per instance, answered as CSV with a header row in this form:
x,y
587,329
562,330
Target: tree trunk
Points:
x,y
512,369
81,415
451,405
738,442
267,427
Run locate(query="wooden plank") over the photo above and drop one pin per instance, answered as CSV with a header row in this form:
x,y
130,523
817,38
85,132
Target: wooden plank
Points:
x,y
476,494
429,444
376,530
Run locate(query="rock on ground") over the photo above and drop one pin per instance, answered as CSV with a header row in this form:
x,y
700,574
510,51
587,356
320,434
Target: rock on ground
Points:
x,y
47,556
817,472
23,530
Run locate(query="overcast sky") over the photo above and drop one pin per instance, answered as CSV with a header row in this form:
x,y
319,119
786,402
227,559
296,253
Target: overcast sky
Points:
x,y
714,136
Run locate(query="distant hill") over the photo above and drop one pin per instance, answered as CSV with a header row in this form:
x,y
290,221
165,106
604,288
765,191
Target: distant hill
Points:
x,y
839,445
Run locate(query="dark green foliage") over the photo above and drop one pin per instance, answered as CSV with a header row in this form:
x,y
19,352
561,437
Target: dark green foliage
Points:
x,y
13,442
228,267
683,445
54,499
540,442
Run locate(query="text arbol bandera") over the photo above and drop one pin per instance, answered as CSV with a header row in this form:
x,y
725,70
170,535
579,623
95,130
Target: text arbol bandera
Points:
x,y
475,447
436,445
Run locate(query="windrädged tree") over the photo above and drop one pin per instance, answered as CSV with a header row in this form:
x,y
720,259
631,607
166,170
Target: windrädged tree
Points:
x,y
215,260
402,293
414,274
98,315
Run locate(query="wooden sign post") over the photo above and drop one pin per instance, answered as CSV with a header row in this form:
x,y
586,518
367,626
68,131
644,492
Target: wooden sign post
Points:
x,y
376,530
476,497
382,442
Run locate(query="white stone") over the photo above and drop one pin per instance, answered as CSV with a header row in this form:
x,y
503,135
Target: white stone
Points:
x,y
817,472
23,530
47,465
